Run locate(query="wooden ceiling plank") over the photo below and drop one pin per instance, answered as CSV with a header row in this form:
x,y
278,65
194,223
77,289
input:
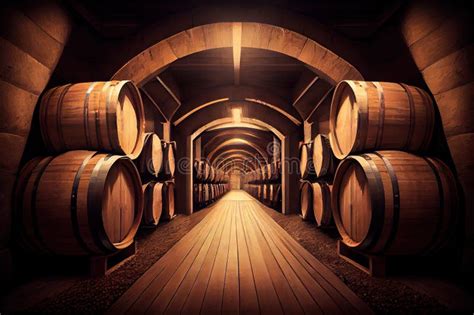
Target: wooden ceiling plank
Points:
x,y
236,50
170,92
154,103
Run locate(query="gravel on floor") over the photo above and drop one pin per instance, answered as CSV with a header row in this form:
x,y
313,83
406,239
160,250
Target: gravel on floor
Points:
x,y
383,295
97,295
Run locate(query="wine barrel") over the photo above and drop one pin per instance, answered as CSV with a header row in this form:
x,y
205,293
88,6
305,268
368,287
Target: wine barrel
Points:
x,y
402,117
270,195
197,170
306,161
79,203
201,200
105,116
196,193
212,174
169,164
153,203
276,202
168,200
306,201
323,159
150,160
265,192
322,209
269,171
394,202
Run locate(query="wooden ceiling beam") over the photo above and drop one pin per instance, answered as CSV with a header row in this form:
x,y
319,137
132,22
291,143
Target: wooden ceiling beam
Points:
x,y
142,89
305,88
236,50
170,92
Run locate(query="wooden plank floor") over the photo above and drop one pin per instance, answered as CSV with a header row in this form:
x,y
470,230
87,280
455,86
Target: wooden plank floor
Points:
x,y
238,260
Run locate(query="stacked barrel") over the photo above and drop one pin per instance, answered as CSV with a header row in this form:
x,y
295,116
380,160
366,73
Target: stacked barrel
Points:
x,y
210,183
388,197
86,199
317,168
156,165
264,183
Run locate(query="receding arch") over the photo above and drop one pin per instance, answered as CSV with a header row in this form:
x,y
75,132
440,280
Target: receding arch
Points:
x,y
230,133
247,156
220,94
238,141
154,59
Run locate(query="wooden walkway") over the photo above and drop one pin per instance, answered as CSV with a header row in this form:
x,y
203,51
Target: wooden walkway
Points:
x,y
238,260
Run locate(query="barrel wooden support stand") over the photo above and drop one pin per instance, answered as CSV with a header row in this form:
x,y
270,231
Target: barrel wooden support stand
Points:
x,y
100,266
375,266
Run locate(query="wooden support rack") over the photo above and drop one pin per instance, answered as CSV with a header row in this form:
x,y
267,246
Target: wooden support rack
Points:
x,y
102,265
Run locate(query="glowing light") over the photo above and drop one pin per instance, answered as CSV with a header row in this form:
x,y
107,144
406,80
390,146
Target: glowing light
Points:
x,y
237,114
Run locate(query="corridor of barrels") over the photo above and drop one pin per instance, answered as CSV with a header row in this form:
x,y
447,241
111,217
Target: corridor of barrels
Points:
x,y
241,156
238,260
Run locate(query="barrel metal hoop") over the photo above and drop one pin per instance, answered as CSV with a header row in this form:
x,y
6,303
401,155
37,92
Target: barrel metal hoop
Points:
x,y
396,200
412,114
380,130
34,216
378,205
110,116
94,207
436,236
363,119
86,113
429,118
59,108
74,217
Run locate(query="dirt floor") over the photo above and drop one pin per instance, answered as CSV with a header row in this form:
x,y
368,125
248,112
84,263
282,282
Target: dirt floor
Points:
x,y
78,294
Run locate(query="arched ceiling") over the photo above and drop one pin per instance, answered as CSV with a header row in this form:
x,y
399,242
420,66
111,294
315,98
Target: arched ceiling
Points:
x,y
268,73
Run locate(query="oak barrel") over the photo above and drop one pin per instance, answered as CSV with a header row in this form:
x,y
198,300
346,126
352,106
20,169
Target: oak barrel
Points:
x,y
322,209
276,202
153,203
168,212
105,116
150,160
394,202
169,163
323,159
306,161
79,203
306,201
367,116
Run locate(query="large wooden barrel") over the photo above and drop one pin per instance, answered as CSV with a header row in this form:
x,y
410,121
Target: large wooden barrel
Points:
x,y
150,160
197,170
323,159
212,174
169,164
367,116
265,192
394,202
306,161
168,212
322,209
79,203
196,194
105,116
153,203
276,202
270,194
306,201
